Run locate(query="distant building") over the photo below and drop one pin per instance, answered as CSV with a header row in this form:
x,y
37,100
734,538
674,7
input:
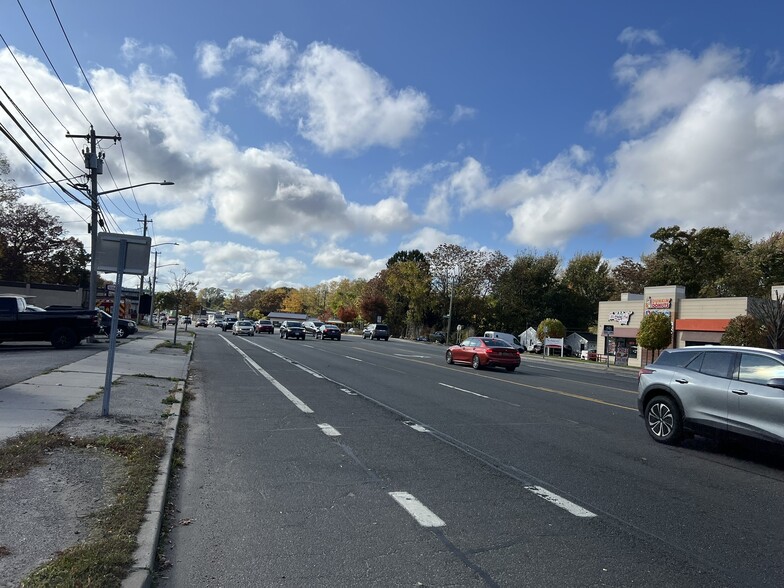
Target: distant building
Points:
x,y
279,317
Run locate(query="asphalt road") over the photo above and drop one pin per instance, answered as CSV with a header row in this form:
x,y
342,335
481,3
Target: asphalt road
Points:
x,y
359,463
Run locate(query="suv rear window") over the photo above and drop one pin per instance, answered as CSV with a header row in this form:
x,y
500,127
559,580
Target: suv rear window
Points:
x,y
676,358
381,328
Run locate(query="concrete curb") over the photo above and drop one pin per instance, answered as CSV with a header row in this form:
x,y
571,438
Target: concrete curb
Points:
x,y
143,568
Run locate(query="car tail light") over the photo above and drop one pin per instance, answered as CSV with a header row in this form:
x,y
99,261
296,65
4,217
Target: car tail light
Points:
x,y
644,371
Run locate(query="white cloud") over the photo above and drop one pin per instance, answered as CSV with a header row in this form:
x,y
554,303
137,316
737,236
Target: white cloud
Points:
x,y
428,238
461,113
134,50
631,36
232,265
716,163
217,96
661,85
209,59
339,103
466,185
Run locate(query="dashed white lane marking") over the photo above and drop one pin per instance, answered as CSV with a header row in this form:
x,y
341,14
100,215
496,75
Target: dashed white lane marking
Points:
x,y
568,506
329,430
416,427
286,359
296,401
405,355
423,515
347,391
461,390
353,358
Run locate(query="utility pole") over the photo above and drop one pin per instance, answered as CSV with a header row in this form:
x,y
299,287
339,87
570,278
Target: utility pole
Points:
x,y
93,161
141,278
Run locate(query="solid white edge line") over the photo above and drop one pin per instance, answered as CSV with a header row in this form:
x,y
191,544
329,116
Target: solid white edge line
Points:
x,y
296,401
567,505
329,430
422,515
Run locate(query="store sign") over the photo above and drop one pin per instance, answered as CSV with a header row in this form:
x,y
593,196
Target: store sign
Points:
x,y
658,303
621,317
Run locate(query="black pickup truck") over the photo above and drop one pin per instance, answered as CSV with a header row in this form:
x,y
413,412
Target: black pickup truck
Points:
x,y
62,328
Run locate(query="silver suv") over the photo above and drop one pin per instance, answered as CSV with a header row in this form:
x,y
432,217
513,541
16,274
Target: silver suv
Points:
x,y
710,389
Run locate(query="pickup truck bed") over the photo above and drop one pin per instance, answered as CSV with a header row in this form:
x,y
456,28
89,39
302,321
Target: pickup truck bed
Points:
x,y
62,328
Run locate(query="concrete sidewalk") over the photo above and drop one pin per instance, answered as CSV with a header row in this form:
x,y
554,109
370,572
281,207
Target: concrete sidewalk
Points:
x,y
44,401
68,400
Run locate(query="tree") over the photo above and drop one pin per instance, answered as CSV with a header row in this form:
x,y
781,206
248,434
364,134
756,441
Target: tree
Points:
x,y
655,332
695,259
770,313
34,248
211,297
550,327
587,282
630,276
373,303
744,330
293,302
414,255
182,292
527,291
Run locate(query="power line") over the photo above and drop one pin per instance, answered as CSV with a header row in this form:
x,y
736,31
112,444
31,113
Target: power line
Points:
x,y
32,28
84,75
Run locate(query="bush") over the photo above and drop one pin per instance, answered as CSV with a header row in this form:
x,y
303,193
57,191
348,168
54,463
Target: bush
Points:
x,y
744,330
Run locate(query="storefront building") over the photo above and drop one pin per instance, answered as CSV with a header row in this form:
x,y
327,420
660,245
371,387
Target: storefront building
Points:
x,y
696,321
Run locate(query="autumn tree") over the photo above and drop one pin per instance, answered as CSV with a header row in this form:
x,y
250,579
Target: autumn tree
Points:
x,y
293,302
629,276
34,248
373,303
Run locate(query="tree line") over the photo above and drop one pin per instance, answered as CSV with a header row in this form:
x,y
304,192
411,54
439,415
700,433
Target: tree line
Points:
x,y
489,290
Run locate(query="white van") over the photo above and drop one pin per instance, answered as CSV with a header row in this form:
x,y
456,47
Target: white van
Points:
x,y
508,337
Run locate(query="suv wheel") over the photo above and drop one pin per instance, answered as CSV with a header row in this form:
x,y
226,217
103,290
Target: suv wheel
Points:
x,y
663,420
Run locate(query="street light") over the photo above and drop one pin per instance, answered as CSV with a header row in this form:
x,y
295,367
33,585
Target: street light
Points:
x,y
94,194
155,276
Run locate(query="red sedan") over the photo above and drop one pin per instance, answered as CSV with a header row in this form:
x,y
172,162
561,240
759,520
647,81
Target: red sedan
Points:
x,y
482,352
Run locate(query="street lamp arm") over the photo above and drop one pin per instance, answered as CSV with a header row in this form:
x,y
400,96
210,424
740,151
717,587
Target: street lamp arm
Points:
x,y
163,183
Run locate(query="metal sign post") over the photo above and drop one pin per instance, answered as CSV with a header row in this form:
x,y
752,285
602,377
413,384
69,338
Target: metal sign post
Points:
x,y
121,254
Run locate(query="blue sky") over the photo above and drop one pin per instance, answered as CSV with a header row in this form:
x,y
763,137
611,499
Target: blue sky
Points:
x,y
312,140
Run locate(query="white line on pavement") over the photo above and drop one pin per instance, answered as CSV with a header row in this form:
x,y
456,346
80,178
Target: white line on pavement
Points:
x,y
416,427
461,390
354,358
347,391
286,359
329,430
296,401
423,515
567,505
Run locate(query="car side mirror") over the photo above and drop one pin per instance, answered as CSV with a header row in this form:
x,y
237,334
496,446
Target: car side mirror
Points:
x,y
776,383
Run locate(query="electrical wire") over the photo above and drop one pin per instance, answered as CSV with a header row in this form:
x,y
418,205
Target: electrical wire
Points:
x,y
54,69
84,75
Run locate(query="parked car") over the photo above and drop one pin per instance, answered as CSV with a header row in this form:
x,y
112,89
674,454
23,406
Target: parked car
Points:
x,y
311,327
376,331
187,320
228,323
713,389
291,330
264,326
171,321
353,331
62,327
243,327
481,352
125,327
202,322
588,354
438,337
328,332
508,338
